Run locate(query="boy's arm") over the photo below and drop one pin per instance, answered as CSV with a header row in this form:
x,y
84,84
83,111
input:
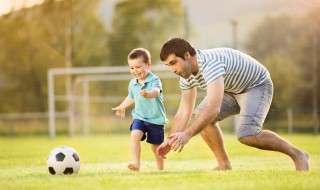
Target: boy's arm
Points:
x,y
155,91
150,94
122,107
126,102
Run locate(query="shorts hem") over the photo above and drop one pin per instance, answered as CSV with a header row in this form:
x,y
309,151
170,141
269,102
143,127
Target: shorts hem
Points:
x,y
247,133
154,142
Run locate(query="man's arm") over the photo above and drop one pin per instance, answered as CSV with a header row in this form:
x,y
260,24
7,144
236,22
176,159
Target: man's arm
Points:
x,y
215,91
182,118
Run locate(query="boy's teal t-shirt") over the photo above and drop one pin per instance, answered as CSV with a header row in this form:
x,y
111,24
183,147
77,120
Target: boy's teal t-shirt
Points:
x,y
148,109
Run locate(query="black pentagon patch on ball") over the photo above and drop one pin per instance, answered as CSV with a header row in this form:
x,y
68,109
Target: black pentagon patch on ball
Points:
x,y
51,170
76,157
68,171
60,157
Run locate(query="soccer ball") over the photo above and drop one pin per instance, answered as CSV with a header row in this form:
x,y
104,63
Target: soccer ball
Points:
x,y
63,160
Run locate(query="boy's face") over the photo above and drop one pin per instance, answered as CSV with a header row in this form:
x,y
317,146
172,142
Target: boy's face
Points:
x,y
138,68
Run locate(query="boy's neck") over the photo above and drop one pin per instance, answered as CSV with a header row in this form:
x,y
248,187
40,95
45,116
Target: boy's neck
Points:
x,y
143,80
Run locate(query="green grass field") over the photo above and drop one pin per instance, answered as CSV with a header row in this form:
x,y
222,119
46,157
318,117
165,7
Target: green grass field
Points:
x,y
104,159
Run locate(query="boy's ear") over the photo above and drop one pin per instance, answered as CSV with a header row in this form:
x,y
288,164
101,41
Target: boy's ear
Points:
x,y
149,65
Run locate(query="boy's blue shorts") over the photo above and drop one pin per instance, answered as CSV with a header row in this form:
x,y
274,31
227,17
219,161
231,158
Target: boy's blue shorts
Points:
x,y
154,133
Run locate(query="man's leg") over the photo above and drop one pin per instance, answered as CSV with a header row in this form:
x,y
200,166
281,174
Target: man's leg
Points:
x,y
255,104
212,135
268,140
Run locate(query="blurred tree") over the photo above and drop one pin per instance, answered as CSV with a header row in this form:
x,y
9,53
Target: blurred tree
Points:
x,y
306,46
284,45
34,40
80,17
286,80
143,24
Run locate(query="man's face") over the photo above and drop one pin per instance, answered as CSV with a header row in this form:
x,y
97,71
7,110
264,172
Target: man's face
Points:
x,y
178,66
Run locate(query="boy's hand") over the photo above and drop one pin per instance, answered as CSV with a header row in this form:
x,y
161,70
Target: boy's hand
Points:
x,y
144,93
121,112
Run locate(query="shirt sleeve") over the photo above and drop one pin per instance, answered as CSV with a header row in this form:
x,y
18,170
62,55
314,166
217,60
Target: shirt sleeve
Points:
x,y
156,83
130,92
213,70
184,85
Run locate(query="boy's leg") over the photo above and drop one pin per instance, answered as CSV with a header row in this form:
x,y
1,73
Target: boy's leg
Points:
x,y
136,136
159,161
155,138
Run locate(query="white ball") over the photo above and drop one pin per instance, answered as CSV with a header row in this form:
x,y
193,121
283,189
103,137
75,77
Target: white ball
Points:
x,y
63,160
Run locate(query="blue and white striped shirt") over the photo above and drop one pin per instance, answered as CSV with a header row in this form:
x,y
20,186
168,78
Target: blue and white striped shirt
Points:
x,y
240,71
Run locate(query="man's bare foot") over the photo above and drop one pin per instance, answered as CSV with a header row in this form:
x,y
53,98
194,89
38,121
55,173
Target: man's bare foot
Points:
x,y
302,161
223,167
133,167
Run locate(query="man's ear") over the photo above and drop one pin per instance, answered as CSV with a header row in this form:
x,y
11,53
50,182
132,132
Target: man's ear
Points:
x,y
187,56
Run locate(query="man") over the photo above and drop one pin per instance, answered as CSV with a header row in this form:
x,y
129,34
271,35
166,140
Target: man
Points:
x,y
235,83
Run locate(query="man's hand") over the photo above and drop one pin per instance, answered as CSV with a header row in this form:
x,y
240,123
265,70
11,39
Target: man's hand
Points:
x,y
163,149
178,140
121,112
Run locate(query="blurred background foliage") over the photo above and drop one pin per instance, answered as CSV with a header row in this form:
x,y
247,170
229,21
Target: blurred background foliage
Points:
x,y
34,40
289,47
69,33
145,24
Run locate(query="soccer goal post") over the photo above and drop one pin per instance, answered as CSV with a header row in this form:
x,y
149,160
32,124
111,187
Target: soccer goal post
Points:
x,y
84,76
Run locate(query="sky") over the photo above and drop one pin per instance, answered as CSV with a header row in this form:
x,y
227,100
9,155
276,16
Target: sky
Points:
x,y
7,5
210,19
213,26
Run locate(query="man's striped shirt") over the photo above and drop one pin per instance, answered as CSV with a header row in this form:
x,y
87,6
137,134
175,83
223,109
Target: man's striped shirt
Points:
x,y
240,71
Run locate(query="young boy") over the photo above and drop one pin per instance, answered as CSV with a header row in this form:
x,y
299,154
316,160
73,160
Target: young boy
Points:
x,y
145,91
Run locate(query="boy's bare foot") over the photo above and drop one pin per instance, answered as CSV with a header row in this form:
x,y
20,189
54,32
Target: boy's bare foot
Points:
x,y
220,168
133,167
302,161
223,167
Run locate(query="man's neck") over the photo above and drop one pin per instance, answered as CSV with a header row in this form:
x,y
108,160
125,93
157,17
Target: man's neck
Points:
x,y
195,66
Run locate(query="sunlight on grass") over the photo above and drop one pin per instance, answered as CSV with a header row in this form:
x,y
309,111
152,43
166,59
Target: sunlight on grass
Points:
x,y
104,159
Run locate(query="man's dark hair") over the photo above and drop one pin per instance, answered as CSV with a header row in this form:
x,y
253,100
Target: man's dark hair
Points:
x,y
177,46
